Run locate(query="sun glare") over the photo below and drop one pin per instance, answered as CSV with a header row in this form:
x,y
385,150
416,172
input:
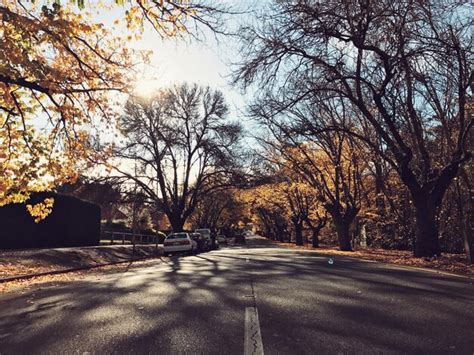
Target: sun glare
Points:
x,y
146,87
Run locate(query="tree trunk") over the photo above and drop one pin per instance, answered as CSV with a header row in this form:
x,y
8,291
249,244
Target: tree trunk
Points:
x,y
426,243
315,241
464,223
343,235
468,242
177,223
379,186
281,236
278,233
298,232
426,204
342,220
363,236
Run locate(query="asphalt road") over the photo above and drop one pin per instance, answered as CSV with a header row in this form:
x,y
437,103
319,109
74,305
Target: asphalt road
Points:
x,y
245,300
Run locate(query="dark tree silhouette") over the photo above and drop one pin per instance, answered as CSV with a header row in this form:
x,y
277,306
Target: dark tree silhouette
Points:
x,y
184,146
330,160
405,67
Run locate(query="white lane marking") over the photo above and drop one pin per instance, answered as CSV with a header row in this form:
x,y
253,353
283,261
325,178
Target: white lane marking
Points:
x,y
253,339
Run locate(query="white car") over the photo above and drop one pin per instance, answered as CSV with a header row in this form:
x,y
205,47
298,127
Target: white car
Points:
x,y
206,233
180,242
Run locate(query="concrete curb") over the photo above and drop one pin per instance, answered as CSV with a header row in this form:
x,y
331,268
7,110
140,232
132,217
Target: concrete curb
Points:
x,y
64,271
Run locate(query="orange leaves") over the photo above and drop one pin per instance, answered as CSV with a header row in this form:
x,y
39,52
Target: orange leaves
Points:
x,y
60,75
41,210
28,163
287,199
57,71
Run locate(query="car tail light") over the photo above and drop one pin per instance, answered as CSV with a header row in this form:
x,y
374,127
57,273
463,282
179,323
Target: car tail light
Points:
x,y
185,242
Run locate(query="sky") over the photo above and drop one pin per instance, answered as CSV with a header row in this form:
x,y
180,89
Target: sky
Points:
x,y
177,60
206,61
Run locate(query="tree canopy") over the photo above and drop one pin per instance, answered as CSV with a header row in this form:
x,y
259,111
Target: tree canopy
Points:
x,y
184,147
403,68
59,71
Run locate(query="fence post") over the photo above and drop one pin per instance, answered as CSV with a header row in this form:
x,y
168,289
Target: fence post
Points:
x,y
133,243
112,238
123,238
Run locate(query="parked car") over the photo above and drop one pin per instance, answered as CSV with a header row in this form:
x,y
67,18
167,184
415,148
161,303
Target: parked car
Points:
x,y
201,242
222,239
180,242
206,233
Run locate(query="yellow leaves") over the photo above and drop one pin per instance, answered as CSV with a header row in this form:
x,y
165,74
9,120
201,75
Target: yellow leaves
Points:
x,y
30,163
60,69
134,18
69,65
41,210
167,18
286,198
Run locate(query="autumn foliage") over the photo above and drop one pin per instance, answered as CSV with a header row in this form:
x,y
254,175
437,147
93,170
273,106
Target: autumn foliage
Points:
x,y
60,77
56,75
395,76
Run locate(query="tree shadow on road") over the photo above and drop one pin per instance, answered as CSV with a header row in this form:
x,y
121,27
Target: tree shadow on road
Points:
x,y
203,298
140,309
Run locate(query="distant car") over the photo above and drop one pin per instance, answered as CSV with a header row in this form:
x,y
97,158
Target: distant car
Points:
x,y
222,239
201,242
206,233
180,242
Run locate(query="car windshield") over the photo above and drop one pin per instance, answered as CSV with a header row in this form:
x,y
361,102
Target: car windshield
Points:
x,y
176,236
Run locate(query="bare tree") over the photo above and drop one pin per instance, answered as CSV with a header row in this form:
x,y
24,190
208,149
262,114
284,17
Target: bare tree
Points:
x,y
405,67
184,145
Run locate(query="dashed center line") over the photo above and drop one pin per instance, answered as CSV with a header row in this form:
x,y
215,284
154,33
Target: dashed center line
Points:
x,y
253,339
